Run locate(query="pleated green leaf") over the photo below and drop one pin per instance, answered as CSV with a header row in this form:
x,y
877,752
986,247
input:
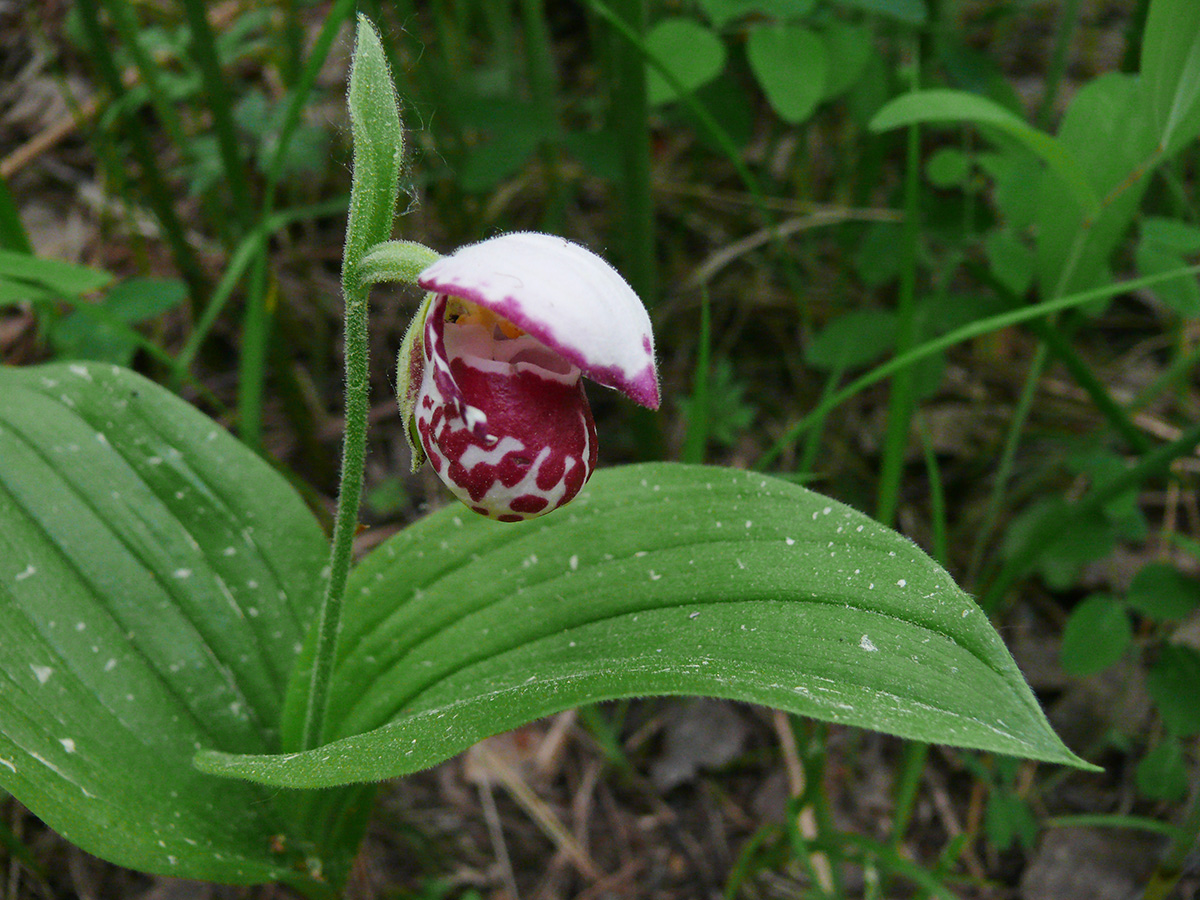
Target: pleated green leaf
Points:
x,y
658,579
156,581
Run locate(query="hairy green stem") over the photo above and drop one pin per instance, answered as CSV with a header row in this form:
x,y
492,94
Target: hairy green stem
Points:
x,y
378,154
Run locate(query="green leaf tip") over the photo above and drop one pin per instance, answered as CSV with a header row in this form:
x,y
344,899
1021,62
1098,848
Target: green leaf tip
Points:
x,y
754,590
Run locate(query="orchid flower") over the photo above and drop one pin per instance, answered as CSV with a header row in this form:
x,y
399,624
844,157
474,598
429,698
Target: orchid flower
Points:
x,y
490,370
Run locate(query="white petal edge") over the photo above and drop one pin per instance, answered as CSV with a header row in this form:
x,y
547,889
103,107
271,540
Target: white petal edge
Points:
x,y
565,296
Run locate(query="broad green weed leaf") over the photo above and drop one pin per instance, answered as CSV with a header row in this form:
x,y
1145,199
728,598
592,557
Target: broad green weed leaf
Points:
x,y
156,579
948,167
1172,683
1170,62
104,335
1164,245
847,49
960,106
50,275
688,50
1161,591
1107,131
658,579
855,339
1161,773
1096,636
789,63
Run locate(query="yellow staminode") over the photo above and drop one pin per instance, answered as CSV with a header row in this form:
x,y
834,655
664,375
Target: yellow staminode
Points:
x,y
464,312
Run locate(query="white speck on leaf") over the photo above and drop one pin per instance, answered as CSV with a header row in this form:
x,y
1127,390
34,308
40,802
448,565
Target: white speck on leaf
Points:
x,y
182,573
41,673
573,562
68,744
789,541
28,572
901,583
866,644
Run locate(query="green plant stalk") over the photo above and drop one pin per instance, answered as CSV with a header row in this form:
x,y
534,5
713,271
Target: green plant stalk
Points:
x,y
1060,346
156,187
1137,823
812,440
244,254
1008,456
1182,365
204,54
378,152
696,439
252,363
1096,391
895,862
12,233
937,498
901,401
629,114
1152,463
257,324
958,336
1068,17
128,27
1170,868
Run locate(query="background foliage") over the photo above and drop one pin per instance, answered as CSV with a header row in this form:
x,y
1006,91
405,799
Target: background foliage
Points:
x,y
795,220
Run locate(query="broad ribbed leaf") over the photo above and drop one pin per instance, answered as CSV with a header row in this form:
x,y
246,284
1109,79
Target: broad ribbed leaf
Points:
x,y
156,579
658,579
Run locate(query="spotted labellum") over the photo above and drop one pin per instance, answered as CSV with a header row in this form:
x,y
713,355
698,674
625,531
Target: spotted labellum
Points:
x,y
490,370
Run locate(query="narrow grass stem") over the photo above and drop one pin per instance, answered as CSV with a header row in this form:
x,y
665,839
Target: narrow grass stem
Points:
x,y
901,401
1016,425
204,53
12,233
700,411
156,187
1170,868
1068,18
958,336
629,115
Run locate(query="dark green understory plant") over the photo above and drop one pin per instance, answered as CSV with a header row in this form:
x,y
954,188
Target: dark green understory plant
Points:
x,y
196,683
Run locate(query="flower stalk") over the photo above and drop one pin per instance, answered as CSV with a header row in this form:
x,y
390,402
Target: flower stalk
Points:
x,y
378,156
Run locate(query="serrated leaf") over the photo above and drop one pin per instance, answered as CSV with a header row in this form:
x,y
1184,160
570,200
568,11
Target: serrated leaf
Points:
x,y
690,52
658,579
155,581
789,63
